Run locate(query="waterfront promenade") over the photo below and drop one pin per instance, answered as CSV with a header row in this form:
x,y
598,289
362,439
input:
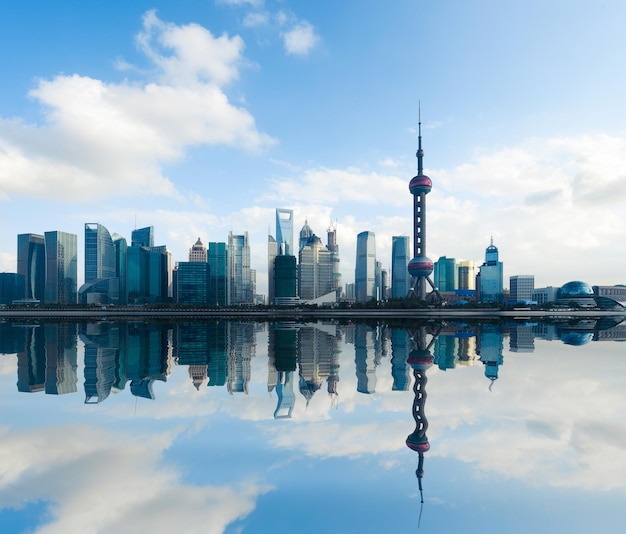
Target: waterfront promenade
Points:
x,y
286,314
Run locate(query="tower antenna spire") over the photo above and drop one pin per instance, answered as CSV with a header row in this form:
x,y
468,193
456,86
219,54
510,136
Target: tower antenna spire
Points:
x,y
420,152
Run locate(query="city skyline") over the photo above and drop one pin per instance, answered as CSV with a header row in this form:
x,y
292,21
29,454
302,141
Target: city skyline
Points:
x,y
203,119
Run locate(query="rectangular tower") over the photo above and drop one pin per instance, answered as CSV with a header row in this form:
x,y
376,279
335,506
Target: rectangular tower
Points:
x,y
61,267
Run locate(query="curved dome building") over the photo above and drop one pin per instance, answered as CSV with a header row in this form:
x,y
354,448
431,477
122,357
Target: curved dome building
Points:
x,y
576,292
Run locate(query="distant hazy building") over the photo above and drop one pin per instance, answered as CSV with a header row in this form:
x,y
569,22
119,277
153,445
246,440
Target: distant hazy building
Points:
x,y
466,275
446,274
198,253
400,257
239,277
61,267
31,264
120,247
333,247
217,258
491,276
521,287
365,271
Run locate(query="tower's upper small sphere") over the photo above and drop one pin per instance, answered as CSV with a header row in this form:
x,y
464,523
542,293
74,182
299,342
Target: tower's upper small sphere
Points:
x,y
420,184
421,267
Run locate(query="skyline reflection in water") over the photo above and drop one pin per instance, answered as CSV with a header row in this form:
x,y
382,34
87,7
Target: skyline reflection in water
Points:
x,y
236,426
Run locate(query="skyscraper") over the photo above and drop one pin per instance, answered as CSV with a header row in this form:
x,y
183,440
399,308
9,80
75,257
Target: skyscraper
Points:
x,y
239,277
284,231
333,247
446,274
305,234
143,237
31,263
192,283
101,283
365,271
197,253
272,253
217,259
420,267
120,247
467,274
315,270
400,255
491,276
61,267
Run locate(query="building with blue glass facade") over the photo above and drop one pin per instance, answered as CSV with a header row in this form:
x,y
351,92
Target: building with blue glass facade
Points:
x,y
446,274
11,287
365,270
101,283
284,231
31,264
217,258
491,276
143,237
400,257
61,267
192,283
240,288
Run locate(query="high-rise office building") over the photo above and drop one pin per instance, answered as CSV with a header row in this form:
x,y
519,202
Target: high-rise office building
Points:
x,y
217,259
333,247
284,231
521,287
143,237
101,283
400,256
272,253
365,271
11,287
61,267
491,276
467,275
239,277
315,270
421,266
285,278
120,248
31,264
446,274
197,253
305,234
192,283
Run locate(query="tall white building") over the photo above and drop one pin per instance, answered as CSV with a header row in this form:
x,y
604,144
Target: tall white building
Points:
x,y
315,270
521,287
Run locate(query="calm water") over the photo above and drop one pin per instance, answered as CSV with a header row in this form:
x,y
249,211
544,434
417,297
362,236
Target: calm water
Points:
x,y
261,427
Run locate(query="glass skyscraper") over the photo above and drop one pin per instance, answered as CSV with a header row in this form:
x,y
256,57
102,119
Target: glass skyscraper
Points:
x,y
101,283
284,231
400,257
31,263
61,267
491,276
192,283
365,271
446,274
217,259
143,237
239,276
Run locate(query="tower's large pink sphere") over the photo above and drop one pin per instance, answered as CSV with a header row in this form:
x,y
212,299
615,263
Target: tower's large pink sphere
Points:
x,y
420,184
421,267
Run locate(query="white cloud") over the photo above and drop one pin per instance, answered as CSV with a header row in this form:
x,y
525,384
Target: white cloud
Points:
x,y
113,138
135,490
255,19
300,40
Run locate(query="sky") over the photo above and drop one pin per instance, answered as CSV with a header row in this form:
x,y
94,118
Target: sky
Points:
x,y
201,117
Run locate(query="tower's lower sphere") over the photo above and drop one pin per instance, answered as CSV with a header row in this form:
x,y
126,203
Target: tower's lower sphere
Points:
x,y
422,267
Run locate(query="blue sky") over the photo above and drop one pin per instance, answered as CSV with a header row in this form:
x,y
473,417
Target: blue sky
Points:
x,y
202,117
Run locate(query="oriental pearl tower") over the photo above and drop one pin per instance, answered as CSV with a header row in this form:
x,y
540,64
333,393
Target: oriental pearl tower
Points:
x,y
420,267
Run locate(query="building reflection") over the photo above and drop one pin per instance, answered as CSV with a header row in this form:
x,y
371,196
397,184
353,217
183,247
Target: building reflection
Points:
x,y
303,358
